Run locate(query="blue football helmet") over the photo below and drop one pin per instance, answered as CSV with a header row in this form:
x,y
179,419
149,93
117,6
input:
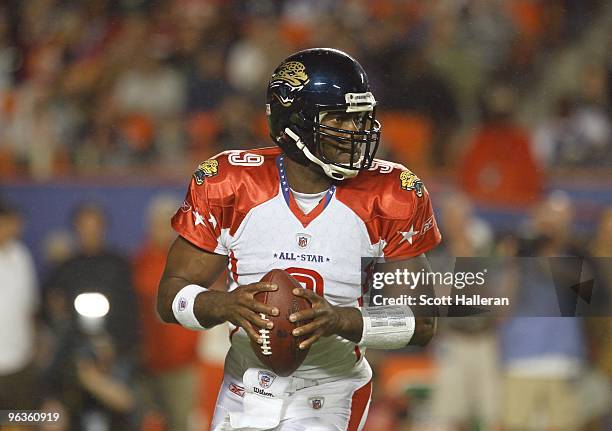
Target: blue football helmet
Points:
x,y
306,87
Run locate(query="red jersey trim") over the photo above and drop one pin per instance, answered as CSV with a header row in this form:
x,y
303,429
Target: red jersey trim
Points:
x,y
233,266
305,219
359,403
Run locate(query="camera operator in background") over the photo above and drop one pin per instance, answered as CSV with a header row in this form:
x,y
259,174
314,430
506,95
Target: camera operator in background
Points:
x,y
97,268
90,377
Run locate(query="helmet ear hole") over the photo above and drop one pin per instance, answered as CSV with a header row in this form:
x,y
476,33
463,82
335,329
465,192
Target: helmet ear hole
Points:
x,y
301,127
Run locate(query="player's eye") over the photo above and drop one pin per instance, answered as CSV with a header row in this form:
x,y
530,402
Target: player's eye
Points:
x,y
343,120
333,119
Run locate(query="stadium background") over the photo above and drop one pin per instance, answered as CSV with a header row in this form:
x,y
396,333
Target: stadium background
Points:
x,y
502,107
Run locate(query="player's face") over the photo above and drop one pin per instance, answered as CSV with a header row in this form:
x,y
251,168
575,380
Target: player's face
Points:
x,y
340,152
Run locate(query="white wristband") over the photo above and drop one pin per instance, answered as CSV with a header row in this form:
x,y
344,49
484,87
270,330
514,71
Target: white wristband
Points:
x,y
182,306
387,327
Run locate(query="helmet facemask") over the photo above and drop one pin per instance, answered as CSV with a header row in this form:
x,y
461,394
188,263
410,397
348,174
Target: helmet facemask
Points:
x,y
361,142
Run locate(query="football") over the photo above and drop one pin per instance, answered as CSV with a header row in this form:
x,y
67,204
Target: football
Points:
x,y
280,350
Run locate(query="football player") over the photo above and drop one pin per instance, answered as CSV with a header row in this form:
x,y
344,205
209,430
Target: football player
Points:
x,y
315,205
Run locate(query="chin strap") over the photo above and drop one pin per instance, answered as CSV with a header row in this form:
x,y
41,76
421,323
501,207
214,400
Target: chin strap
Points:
x,y
332,171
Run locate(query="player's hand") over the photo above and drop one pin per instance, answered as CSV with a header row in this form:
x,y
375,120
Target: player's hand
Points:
x,y
325,318
241,308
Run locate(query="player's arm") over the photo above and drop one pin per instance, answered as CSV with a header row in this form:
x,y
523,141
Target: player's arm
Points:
x,y
425,316
192,268
348,322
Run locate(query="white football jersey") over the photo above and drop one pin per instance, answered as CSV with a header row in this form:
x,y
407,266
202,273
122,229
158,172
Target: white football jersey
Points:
x,y
239,204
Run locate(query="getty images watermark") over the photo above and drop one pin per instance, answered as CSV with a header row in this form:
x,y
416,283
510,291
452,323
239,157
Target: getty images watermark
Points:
x,y
494,286
451,280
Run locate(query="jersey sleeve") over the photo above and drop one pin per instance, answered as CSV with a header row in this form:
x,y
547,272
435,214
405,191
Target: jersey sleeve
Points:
x,y
201,217
221,193
415,233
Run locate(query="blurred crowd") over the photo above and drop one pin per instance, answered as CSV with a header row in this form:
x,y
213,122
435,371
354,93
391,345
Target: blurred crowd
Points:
x,y
83,338
140,86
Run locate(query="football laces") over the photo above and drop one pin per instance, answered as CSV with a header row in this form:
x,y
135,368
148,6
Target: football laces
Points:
x,y
264,334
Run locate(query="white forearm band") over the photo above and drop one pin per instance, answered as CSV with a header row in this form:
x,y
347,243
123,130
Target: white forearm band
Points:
x,y
182,306
387,327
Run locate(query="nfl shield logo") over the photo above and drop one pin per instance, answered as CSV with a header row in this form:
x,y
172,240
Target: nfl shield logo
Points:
x,y
266,379
316,402
303,239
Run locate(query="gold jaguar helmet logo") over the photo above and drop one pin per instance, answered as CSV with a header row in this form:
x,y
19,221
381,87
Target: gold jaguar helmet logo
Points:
x,y
292,72
206,169
288,78
409,181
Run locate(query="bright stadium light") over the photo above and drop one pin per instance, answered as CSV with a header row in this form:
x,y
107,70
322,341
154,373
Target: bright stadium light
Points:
x,y
91,308
92,305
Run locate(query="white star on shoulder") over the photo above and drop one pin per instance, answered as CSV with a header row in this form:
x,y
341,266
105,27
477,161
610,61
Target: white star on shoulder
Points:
x,y
198,218
213,221
408,235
